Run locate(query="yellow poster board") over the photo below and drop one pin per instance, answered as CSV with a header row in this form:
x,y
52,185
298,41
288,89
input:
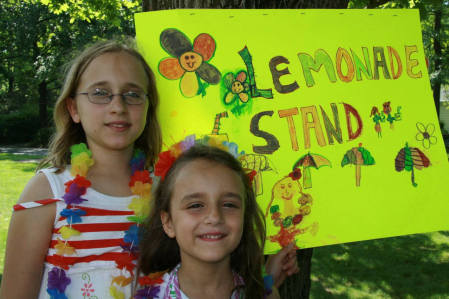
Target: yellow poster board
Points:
x,y
333,108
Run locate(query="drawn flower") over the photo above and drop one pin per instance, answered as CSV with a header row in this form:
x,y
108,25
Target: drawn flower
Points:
x,y
58,280
425,134
87,289
237,87
188,62
295,174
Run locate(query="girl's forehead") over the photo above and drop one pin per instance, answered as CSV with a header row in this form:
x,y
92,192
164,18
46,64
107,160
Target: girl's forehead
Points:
x,y
202,173
115,68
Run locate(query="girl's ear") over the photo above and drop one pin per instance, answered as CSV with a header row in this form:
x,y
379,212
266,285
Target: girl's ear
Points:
x,y
73,110
167,224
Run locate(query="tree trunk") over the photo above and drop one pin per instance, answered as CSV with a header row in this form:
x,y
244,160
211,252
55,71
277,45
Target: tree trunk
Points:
x,y
297,286
438,55
148,5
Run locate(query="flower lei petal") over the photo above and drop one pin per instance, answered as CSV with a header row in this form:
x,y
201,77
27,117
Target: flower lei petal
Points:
x,y
57,280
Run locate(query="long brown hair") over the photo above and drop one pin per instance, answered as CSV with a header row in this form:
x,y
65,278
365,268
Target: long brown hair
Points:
x,y
158,252
69,133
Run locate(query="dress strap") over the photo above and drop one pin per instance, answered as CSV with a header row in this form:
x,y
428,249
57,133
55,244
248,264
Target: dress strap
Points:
x,y
34,204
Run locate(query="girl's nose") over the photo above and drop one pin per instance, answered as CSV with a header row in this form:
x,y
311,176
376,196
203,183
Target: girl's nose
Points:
x,y
117,104
214,216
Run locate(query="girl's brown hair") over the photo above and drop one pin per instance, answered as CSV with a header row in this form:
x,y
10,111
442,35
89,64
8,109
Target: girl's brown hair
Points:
x,y
69,133
158,252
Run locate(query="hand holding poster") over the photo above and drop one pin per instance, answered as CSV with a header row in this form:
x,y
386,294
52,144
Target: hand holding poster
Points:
x,y
333,109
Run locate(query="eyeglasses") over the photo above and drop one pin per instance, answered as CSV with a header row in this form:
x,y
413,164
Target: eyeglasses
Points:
x,y
104,96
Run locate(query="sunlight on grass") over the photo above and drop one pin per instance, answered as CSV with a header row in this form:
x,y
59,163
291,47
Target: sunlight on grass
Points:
x,y
414,266
13,177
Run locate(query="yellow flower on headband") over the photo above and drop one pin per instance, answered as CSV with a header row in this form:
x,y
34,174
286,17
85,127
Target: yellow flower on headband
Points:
x,y
176,149
67,232
81,164
216,142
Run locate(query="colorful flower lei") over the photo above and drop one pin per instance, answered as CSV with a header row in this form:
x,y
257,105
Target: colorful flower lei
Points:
x,y
140,184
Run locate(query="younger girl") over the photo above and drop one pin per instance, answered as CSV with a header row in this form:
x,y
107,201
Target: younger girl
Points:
x,y
205,227
73,233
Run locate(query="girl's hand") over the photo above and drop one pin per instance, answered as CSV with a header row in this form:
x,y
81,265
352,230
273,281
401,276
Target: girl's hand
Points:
x,y
282,264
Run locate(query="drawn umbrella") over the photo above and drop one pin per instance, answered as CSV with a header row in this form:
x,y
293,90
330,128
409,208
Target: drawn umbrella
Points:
x,y
409,158
307,161
358,156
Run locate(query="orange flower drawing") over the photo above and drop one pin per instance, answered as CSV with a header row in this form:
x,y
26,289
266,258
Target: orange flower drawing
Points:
x,y
189,62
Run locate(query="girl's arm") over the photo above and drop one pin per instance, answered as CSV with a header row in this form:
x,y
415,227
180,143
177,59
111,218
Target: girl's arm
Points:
x,y
29,237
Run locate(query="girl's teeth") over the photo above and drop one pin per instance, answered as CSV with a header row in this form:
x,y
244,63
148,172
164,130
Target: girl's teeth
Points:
x,y
211,236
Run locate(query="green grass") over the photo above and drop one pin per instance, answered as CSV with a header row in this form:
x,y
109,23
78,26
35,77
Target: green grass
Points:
x,y
14,175
415,266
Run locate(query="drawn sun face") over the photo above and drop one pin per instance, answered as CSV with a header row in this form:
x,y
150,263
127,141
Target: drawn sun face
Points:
x,y
190,61
286,189
237,87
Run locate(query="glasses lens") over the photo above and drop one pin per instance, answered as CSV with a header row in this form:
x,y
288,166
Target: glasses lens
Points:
x,y
134,97
99,96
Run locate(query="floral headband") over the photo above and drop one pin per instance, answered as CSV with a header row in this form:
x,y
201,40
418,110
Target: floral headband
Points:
x,y
168,157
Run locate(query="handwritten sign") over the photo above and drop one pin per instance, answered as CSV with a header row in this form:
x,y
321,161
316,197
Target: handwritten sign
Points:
x,y
333,109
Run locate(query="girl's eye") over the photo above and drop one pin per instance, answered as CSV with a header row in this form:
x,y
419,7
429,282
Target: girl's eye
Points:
x,y
132,94
100,92
231,205
195,206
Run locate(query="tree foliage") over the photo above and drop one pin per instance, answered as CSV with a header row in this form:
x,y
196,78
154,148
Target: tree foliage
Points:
x,y
40,37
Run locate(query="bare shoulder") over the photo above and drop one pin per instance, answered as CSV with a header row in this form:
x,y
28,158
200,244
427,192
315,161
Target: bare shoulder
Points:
x,y
37,188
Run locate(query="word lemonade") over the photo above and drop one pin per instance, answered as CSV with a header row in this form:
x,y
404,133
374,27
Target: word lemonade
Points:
x,y
348,67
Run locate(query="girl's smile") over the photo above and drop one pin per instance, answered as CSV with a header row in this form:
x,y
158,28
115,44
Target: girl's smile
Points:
x,y
206,212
